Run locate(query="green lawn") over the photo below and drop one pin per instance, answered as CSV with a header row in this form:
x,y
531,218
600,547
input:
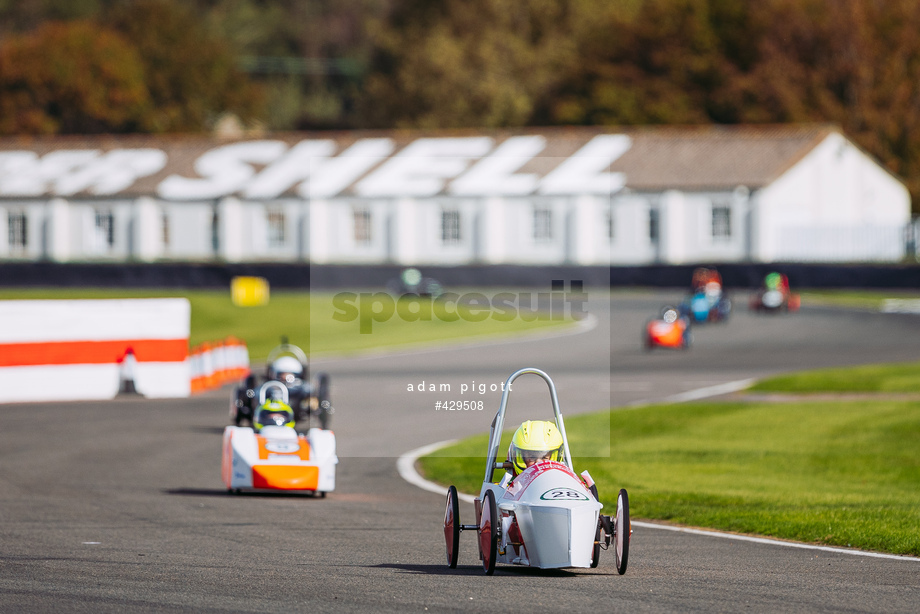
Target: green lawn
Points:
x,y
838,473
214,317
894,378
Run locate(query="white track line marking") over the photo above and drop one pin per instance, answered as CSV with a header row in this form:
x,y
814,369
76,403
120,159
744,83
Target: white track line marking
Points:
x,y
405,464
773,542
900,305
699,393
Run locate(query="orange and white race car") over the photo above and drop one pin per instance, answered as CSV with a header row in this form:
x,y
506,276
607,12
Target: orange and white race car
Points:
x,y
273,455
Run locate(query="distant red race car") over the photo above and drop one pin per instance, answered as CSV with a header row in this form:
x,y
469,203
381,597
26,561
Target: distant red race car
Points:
x,y
670,330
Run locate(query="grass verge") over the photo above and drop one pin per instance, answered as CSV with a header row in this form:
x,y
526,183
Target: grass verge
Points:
x,y
858,299
835,473
893,378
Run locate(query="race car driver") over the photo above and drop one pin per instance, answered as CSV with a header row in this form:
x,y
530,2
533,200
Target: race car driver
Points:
x,y
286,369
534,441
776,281
273,413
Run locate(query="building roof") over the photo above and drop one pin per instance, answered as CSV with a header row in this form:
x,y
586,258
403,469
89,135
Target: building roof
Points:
x,y
716,157
692,158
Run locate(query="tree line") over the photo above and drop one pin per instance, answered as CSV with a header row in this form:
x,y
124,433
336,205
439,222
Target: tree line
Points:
x,y
160,66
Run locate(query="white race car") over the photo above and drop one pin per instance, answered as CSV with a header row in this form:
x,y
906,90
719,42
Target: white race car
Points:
x,y
278,457
546,517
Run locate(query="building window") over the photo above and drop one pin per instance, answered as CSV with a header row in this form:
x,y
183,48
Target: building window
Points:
x,y
18,231
450,226
105,230
362,222
542,224
721,222
653,225
275,217
164,219
215,230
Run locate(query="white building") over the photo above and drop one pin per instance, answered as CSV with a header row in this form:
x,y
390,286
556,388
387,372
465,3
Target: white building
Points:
x,y
538,196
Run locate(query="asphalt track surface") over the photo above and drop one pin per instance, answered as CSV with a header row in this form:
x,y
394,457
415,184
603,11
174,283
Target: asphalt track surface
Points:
x,y
118,506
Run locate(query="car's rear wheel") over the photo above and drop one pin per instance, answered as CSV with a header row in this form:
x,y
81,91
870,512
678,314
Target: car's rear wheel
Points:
x,y
240,409
488,533
323,402
452,527
621,532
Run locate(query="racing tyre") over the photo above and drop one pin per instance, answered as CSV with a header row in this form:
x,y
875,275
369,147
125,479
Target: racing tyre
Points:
x,y
235,409
325,405
596,552
452,527
239,403
488,533
621,529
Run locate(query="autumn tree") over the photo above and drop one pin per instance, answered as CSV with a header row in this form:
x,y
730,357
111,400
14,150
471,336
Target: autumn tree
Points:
x,y
21,16
657,64
477,63
192,75
179,64
310,57
851,62
72,77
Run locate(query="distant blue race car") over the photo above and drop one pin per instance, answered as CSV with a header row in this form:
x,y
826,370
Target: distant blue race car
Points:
x,y
705,306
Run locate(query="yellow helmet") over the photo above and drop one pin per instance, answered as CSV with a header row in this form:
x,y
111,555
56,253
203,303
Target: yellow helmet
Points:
x,y
535,440
273,413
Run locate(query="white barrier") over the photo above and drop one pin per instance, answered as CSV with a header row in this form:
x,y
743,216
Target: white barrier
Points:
x,y
217,363
88,349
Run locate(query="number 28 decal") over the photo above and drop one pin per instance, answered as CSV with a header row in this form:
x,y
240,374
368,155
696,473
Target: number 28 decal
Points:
x,y
563,494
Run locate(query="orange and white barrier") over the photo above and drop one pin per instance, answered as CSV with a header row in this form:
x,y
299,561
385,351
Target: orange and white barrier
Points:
x,y
217,363
86,349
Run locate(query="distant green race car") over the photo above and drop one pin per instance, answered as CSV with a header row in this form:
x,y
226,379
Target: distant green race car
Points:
x,y
411,281
774,295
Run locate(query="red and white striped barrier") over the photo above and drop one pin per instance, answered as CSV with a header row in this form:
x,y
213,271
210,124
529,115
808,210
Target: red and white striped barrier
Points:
x,y
214,364
88,349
